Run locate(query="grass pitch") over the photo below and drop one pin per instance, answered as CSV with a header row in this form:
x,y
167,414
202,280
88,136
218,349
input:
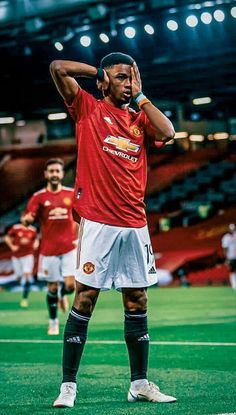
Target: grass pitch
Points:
x,y
199,370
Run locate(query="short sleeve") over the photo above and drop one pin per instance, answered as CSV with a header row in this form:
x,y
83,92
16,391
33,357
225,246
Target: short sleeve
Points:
x,y
33,205
34,231
150,131
11,232
82,106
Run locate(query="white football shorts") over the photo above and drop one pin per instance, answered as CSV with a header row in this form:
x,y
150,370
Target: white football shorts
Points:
x,y
114,257
23,265
56,268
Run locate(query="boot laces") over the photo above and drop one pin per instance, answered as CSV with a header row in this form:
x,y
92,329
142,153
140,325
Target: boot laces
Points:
x,y
67,390
153,387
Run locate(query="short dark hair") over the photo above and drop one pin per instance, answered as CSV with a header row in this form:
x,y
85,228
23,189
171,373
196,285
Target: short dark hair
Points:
x,y
115,58
54,161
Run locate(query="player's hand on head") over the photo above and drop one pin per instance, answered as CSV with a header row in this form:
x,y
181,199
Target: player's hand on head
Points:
x,y
103,85
136,83
106,80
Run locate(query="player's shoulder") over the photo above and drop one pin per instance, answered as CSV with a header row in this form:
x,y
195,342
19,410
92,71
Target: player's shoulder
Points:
x,y
68,189
85,96
225,237
39,192
15,227
32,228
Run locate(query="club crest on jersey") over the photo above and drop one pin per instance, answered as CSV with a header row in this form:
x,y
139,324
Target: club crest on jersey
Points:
x,y
122,143
135,130
67,201
88,267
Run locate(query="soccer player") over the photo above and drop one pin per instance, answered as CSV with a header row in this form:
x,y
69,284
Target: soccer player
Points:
x,y
52,207
114,244
228,243
23,242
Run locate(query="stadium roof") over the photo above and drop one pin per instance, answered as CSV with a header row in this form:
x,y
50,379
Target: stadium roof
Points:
x,y
176,65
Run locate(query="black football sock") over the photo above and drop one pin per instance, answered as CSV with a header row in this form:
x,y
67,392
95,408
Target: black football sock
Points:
x,y
137,341
26,289
64,290
52,299
75,336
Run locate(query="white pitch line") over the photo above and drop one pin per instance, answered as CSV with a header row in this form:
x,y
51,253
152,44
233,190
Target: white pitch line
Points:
x,y
157,343
188,343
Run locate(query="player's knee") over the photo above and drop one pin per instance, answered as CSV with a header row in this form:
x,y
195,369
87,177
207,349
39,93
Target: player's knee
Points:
x,y
83,302
27,276
52,287
135,300
69,288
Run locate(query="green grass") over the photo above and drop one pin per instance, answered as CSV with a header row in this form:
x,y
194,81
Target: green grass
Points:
x,y
201,377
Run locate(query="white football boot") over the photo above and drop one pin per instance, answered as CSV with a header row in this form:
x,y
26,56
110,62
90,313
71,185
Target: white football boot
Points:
x,y
24,303
148,392
67,396
53,327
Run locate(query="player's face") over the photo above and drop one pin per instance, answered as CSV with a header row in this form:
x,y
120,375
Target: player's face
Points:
x,y
231,228
54,174
120,83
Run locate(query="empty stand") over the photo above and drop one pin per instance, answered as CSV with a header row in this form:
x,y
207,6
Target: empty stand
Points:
x,y
218,275
192,191
22,173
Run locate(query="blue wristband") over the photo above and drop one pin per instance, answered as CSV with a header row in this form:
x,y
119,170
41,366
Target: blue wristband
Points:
x,y
139,97
136,95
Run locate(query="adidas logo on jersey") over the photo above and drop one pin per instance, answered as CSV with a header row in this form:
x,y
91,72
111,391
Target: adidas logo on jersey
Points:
x,y
144,338
152,271
75,339
107,119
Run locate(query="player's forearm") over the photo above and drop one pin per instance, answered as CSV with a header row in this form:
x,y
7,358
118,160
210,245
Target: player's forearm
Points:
x,y
159,121
73,69
64,74
9,243
36,244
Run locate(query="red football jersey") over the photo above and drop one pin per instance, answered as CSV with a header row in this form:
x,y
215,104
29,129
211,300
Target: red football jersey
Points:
x,y
54,212
23,237
111,162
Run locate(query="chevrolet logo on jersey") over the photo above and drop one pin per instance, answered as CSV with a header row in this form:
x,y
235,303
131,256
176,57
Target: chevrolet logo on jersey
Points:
x,y
122,143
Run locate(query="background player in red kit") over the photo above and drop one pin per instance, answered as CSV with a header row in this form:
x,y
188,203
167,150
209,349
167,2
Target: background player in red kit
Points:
x,y
52,206
23,242
115,249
